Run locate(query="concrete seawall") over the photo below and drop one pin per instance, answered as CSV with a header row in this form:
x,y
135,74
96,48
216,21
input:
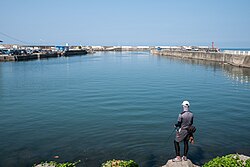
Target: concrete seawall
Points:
x,y
236,60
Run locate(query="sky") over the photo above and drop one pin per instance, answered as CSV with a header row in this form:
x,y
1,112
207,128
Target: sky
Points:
x,y
126,22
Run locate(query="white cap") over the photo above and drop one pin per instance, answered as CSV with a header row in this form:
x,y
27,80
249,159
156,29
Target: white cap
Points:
x,y
185,103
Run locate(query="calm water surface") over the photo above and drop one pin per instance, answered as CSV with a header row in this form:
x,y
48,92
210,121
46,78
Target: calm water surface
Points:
x,y
117,105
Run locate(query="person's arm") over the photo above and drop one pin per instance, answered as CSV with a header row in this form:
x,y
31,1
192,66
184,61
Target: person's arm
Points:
x,y
178,124
191,139
179,121
192,120
191,135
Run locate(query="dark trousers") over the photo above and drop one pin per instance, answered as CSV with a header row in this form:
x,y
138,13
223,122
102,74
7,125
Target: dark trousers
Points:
x,y
177,146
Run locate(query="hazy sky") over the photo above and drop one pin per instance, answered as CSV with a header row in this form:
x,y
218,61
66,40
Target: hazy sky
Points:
x,y
126,22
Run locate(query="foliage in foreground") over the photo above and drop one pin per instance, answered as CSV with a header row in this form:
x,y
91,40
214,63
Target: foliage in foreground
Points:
x,y
120,163
231,160
56,164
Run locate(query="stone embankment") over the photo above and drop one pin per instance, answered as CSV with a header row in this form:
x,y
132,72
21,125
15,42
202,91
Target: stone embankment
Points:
x,y
235,60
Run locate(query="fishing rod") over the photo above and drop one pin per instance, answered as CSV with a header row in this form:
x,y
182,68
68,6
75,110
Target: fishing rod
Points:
x,y
170,153
13,38
171,134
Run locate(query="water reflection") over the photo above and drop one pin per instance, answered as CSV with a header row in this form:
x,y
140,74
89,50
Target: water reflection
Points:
x,y
1,75
241,75
238,74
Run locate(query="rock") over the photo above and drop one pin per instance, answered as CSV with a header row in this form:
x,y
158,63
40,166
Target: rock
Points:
x,y
187,163
243,157
45,165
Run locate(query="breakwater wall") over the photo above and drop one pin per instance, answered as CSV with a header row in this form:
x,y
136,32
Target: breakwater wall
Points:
x,y
237,52
233,59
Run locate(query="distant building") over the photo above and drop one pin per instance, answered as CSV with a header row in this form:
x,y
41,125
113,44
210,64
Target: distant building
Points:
x,y
2,47
62,48
188,48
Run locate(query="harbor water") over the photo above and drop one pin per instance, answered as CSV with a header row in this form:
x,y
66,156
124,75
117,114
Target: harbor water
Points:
x,y
119,105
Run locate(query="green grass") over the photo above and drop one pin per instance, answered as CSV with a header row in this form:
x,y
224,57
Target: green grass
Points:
x,y
120,163
56,164
231,160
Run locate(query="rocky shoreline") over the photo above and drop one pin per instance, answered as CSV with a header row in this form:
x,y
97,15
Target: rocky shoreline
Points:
x,y
170,163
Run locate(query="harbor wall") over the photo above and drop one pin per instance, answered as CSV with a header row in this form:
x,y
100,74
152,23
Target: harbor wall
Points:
x,y
75,52
233,59
34,56
4,58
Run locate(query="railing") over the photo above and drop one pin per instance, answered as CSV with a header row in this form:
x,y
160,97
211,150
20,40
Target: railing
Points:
x,y
237,52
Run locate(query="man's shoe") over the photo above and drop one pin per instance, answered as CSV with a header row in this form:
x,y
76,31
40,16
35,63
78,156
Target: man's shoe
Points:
x,y
176,160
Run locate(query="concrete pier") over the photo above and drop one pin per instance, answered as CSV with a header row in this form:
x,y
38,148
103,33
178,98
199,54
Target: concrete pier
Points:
x,y
4,58
25,58
34,56
233,59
